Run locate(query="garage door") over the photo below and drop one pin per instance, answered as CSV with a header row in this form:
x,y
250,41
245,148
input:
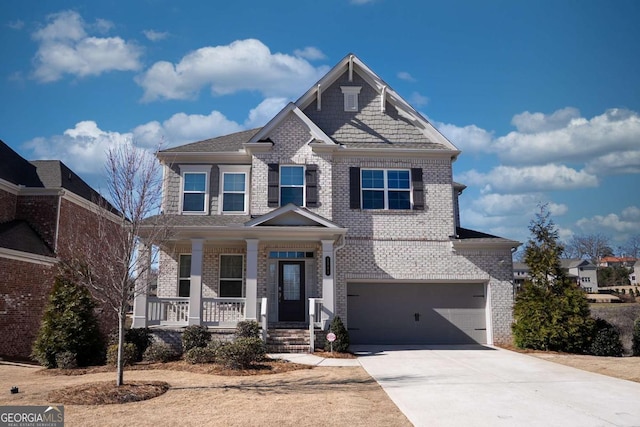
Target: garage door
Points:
x,y
416,313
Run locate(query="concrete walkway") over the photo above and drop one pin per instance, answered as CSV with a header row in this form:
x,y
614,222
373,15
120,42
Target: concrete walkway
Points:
x,y
483,386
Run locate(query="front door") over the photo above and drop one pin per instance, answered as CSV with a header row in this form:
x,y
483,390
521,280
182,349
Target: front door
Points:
x,y
291,298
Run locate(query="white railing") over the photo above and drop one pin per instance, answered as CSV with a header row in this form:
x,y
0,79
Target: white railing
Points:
x,y
315,320
167,311
223,311
263,318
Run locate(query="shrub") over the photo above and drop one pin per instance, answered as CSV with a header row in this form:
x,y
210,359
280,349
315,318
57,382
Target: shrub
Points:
x,y
160,352
606,340
248,329
195,336
141,338
635,349
341,344
66,360
241,353
129,352
69,325
200,355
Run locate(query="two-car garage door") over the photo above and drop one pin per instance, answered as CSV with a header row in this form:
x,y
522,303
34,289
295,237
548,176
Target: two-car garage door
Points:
x,y
416,313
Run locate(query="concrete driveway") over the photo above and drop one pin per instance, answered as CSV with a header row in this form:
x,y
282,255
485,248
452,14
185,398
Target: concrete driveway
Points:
x,y
483,386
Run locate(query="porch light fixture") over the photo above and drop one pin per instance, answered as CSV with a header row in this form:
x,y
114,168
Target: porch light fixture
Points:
x,y
327,266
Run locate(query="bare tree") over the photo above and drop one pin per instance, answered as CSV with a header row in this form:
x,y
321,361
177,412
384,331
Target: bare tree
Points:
x,y
591,246
632,247
116,271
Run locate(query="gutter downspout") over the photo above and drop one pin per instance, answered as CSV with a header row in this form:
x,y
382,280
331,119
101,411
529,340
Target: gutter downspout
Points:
x,y
55,241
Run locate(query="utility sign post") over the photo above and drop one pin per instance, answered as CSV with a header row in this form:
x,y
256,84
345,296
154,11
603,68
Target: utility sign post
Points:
x,y
331,337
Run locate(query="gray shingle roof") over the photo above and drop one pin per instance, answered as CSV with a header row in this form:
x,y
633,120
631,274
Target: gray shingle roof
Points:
x,y
231,142
15,169
19,236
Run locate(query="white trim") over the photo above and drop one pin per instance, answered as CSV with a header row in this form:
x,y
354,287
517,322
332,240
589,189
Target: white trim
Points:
x,y
9,187
242,277
195,169
316,132
488,313
27,257
385,189
175,157
302,186
292,208
319,99
234,169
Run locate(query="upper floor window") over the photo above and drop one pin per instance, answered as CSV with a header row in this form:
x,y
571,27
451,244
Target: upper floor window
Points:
x,y
386,189
195,188
292,185
184,275
231,267
401,189
234,181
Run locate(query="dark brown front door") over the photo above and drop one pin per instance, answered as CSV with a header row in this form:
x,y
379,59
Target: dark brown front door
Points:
x,y
291,291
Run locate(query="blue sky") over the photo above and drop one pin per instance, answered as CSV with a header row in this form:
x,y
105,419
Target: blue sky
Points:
x,y
542,97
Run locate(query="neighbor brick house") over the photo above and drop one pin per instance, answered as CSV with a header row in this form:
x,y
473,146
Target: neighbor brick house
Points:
x,y
47,213
343,204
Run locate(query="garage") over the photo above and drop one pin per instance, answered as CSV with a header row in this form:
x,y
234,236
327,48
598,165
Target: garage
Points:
x,y
416,313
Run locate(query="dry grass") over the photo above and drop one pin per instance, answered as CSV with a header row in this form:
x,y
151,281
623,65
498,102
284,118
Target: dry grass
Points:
x,y
327,395
626,368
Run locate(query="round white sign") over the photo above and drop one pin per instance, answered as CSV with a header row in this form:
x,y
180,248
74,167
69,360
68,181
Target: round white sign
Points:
x,y
331,337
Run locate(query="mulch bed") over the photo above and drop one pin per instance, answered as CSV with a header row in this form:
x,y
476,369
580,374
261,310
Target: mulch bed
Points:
x,y
107,393
334,355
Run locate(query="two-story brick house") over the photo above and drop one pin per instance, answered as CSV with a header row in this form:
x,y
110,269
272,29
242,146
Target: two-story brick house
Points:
x,y
47,213
343,204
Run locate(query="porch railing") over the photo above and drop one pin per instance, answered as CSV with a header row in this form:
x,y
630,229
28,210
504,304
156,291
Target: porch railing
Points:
x,y
167,311
223,311
315,321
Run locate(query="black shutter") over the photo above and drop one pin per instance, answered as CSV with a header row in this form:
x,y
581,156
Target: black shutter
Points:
x,y
354,188
311,184
273,195
418,189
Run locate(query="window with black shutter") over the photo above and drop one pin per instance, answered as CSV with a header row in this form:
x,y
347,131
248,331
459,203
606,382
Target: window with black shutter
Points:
x,y
418,189
273,196
311,184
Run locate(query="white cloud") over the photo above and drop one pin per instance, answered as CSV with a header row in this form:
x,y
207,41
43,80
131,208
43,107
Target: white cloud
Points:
x,y
565,137
311,53
628,221
508,179
264,112
241,65
515,204
616,163
155,36
468,138
18,24
403,75
66,48
360,2
418,100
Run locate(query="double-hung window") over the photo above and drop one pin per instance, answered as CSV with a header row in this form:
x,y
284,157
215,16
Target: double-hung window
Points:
x,y
184,275
292,185
386,189
231,267
233,189
195,188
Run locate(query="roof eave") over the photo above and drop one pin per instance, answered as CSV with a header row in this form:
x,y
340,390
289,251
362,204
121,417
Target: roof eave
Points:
x,y
240,156
395,152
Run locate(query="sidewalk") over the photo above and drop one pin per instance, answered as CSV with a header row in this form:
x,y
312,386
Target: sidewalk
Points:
x,y
311,359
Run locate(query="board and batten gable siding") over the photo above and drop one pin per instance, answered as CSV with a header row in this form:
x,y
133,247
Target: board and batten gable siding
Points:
x,y
368,124
290,147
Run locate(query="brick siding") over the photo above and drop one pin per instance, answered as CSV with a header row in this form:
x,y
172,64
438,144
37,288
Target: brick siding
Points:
x,y
8,202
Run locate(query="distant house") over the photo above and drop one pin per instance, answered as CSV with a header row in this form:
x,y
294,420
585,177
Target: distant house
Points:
x,y
47,213
614,261
582,272
342,205
634,276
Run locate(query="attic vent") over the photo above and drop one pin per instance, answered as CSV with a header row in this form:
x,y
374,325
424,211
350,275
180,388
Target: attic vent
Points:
x,y
350,97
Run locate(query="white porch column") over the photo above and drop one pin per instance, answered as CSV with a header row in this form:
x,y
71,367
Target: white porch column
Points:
x,y
195,290
142,286
251,280
328,282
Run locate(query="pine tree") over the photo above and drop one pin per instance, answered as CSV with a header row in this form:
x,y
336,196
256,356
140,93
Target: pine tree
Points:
x,y
551,312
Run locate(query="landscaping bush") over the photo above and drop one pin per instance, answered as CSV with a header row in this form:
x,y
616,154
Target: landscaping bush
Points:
x,y
635,349
200,355
248,329
66,360
341,344
69,325
160,352
141,338
129,352
241,353
606,340
195,336
622,316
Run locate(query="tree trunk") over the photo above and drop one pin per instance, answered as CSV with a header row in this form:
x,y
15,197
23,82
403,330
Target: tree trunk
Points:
x,y
121,318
